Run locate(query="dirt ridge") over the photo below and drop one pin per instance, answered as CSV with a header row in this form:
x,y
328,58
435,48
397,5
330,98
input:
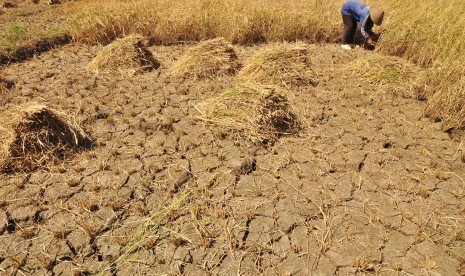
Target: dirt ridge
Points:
x,y
31,48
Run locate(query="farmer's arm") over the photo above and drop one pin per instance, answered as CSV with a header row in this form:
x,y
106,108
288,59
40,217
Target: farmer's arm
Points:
x,y
365,30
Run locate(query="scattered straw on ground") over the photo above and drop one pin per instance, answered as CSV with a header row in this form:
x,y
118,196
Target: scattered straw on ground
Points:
x,y
127,56
400,75
208,59
282,64
257,113
33,135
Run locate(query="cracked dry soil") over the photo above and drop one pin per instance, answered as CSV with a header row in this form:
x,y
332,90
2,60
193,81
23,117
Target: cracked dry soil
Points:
x,y
369,186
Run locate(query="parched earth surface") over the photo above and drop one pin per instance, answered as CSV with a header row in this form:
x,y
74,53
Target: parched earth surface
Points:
x,y
369,186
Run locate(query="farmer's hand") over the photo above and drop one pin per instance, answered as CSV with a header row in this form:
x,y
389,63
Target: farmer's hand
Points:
x,y
371,42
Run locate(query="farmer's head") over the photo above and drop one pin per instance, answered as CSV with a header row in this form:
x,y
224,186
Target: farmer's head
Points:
x,y
376,16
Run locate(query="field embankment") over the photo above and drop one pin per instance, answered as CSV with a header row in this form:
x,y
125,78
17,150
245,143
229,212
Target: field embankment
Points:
x,y
429,33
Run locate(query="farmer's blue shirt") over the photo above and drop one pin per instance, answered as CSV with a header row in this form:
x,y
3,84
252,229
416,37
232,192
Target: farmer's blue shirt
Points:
x,y
361,13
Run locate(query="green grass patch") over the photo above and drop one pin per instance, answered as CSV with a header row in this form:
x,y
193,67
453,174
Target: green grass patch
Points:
x,y
18,34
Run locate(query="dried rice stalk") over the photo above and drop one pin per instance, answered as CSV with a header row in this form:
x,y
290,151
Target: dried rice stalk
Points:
x,y
448,105
127,56
395,74
208,59
33,135
256,113
5,90
282,64
383,70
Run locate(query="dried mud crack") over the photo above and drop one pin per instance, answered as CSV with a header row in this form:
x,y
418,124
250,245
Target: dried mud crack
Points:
x,y
365,186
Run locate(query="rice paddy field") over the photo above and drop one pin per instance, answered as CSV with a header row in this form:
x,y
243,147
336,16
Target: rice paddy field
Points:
x,y
198,137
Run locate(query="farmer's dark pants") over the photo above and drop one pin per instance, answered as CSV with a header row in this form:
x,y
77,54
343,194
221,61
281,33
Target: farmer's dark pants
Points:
x,y
350,26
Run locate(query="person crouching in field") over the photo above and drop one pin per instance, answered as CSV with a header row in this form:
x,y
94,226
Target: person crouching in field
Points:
x,y
353,12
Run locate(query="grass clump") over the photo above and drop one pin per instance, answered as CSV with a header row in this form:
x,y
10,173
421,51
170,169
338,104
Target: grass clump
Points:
x,y
255,112
208,59
127,56
283,64
34,135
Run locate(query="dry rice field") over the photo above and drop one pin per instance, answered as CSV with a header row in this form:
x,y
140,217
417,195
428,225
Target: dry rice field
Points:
x,y
206,158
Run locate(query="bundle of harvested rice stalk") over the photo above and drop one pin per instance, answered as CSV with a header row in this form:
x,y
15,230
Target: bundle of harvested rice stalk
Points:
x,y
255,112
383,69
280,64
208,59
33,135
393,72
127,56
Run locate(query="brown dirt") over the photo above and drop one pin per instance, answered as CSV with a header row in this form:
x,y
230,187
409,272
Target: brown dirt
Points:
x,y
368,185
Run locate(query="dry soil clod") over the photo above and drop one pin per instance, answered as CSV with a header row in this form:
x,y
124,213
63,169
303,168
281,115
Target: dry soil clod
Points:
x,y
243,166
6,84
5,90
9,5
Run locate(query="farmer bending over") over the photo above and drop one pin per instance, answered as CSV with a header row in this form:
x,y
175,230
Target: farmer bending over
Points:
x,y
353,12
